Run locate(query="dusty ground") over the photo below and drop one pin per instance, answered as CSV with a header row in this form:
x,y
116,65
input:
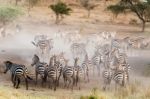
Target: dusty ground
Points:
x,y
17,47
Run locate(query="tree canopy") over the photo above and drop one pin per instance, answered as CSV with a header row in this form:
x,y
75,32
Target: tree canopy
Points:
x,y
60,9
9,13
140,8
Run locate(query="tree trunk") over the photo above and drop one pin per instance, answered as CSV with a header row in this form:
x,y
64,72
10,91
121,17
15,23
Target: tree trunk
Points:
x,y
57,19
89,13
143,26
16,2
29,7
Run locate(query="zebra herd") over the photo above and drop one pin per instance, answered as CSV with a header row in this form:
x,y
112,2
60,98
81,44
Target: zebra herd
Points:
x,y
109,58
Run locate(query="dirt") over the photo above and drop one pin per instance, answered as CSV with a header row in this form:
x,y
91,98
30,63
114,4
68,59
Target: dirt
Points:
x,y
17,47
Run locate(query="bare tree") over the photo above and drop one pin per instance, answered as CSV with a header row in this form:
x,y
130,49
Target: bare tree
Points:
x,y
88,6
139,8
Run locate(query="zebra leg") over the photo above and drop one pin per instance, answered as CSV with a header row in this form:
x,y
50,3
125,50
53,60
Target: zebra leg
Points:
x,y
55,85
14,81
64,81
42,81
93,70
79,83
87,74
50,83
26,81
36,78
84,76
69,83
58,80
18,80
45,76
72,84
12,78
98,70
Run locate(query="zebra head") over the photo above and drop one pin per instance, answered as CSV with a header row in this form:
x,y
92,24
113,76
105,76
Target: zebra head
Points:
x,y
8,65
35,60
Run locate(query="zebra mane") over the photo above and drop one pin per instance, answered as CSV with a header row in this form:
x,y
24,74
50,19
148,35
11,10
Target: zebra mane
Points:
x,y
36,56
34,43
8,62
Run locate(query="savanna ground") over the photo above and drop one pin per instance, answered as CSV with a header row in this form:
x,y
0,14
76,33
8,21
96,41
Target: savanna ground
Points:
x,y
17,47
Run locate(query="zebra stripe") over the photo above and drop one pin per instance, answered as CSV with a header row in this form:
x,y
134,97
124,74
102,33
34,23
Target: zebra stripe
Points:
x,y
96,60
17,71
120,78
40,68
68,75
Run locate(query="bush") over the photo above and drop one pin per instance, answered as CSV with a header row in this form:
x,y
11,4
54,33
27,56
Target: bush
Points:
x,y
60,9
133,22
8,13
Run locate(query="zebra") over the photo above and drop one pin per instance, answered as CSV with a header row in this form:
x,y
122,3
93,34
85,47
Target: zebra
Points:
x,y
78,73
17,71
126,68
85,65
107,77
78,49
61,59
53,72
68,75
72,74
44,44
40,68
96,60
120,77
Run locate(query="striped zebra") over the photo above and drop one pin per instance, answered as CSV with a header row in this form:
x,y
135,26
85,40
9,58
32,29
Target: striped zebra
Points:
x,y
78,49
61,59
40,68
53,72
17,71
86,65
107,77
42,43
68,76
78,73
120,77
126,68
72,74
96,60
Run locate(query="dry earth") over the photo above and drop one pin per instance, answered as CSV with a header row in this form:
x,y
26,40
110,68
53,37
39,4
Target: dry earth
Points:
x,y
17,47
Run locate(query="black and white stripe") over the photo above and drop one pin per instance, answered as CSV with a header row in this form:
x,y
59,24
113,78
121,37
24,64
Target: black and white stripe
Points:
x,y
78,49
96,60
40,68
17,71
107,77
86,66
120,77
78,73
69,76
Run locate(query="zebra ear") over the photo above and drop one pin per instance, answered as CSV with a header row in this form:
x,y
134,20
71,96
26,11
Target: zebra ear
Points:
x,y
33,43
8,62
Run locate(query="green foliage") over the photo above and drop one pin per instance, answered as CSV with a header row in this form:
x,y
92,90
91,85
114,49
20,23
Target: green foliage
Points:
x,y
116,9
9,13
60,8
140,8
